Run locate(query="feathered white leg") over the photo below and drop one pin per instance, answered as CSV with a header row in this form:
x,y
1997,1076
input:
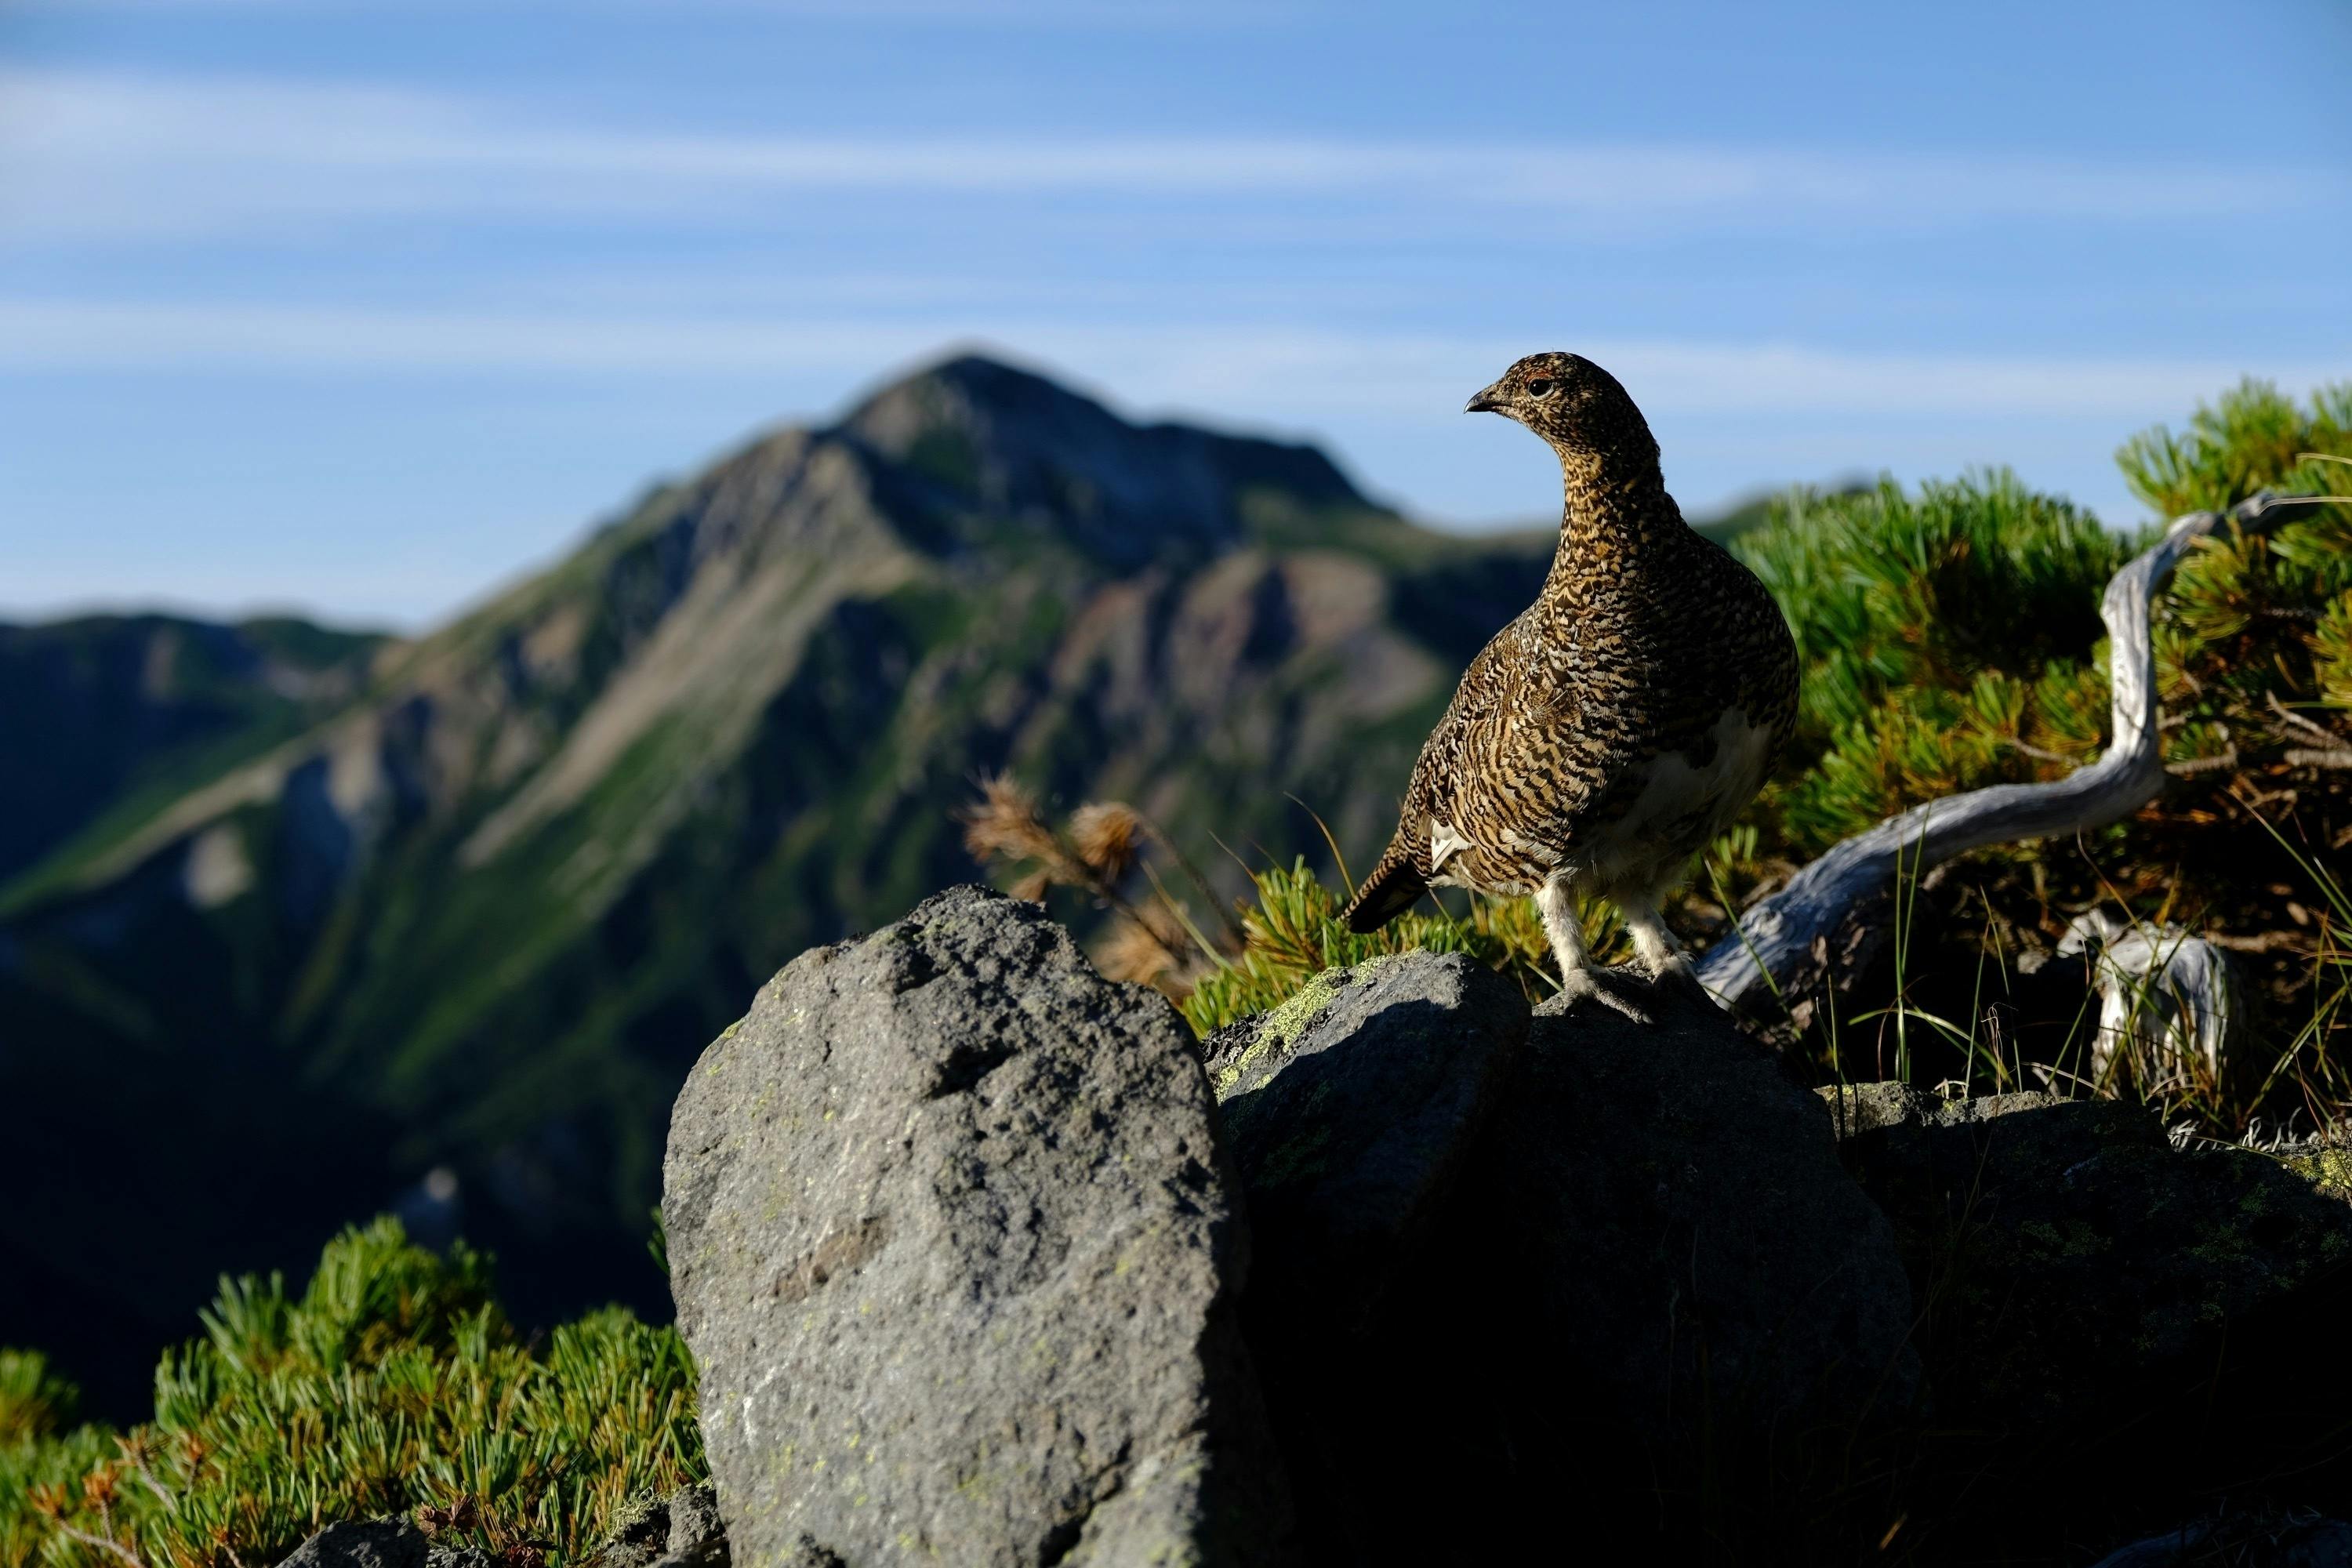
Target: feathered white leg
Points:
x,y
2114,1036
1557,905
1656,946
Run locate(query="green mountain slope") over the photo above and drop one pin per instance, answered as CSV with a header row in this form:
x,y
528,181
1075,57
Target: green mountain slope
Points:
x,y
484,917
108,714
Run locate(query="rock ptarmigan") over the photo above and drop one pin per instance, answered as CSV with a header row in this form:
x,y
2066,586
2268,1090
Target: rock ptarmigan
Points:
x,y
1622,721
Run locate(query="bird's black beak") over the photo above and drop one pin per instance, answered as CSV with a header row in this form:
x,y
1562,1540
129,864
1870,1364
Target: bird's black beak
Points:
x,y
1487,402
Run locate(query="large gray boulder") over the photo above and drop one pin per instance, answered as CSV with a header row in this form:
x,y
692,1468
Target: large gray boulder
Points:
x,y
959,1257
1350,1110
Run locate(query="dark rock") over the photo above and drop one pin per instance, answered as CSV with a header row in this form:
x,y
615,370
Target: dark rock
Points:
x,y
639,1534
2108,1322
698,1537
958,1254
680,1530
365,1544
1349,1111
2071,1252
1541,1266
2265,1539
1683,1216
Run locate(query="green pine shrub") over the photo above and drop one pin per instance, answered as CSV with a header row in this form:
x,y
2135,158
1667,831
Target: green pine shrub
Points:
x,y
392,1384
1946,640
1950,636
34,1401
2254,624
40,1450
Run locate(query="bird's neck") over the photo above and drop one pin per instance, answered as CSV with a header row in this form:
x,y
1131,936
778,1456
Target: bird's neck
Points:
x,y
1616,512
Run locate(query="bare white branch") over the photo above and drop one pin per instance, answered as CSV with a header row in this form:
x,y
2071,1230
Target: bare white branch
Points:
x,y
1776,939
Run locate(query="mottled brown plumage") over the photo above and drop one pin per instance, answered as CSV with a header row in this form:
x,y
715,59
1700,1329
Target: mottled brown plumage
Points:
x,y
1622,721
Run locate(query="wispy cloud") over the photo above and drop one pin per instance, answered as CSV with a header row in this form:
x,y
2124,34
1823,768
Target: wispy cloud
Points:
x,y
1205,365
92,155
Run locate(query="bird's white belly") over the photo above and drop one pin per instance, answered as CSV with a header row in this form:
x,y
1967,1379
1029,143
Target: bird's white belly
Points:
x,y
1681,807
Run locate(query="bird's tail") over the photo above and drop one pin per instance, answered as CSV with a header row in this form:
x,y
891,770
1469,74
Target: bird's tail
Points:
x,y
1388,892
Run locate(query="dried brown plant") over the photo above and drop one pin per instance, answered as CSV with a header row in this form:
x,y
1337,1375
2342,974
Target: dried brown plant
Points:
x,y
1153,939
1108,836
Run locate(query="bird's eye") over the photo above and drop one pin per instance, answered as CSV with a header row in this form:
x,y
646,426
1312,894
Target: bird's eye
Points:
x,y
1541,387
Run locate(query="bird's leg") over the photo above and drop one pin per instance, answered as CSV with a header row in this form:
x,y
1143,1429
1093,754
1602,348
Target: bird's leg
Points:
x,y
1557,905
1656,946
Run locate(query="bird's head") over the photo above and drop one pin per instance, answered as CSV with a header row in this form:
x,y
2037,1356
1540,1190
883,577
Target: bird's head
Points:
x,y
1572,404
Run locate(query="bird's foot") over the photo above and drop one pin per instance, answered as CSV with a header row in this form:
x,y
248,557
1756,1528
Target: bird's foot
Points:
x,y
1676,971
1579,986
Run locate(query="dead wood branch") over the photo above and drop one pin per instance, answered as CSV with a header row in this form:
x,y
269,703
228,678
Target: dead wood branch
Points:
x,y
1772,946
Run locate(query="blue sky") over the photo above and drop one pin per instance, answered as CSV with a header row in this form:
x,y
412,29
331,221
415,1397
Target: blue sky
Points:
x,y
363,307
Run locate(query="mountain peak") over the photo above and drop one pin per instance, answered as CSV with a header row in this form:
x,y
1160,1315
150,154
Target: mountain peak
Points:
x,y
985,437
982,381
979,398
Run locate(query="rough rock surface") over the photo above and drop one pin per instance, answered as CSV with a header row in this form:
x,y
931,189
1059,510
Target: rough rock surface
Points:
x,y
698,1536
2071,1251
379,1543
1350,1110
2326,1166
680,1530
1679,1202
364,1543
640,1534
958,1254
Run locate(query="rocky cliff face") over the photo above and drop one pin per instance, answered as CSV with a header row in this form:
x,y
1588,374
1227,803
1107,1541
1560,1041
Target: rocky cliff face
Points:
x,y
474,918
